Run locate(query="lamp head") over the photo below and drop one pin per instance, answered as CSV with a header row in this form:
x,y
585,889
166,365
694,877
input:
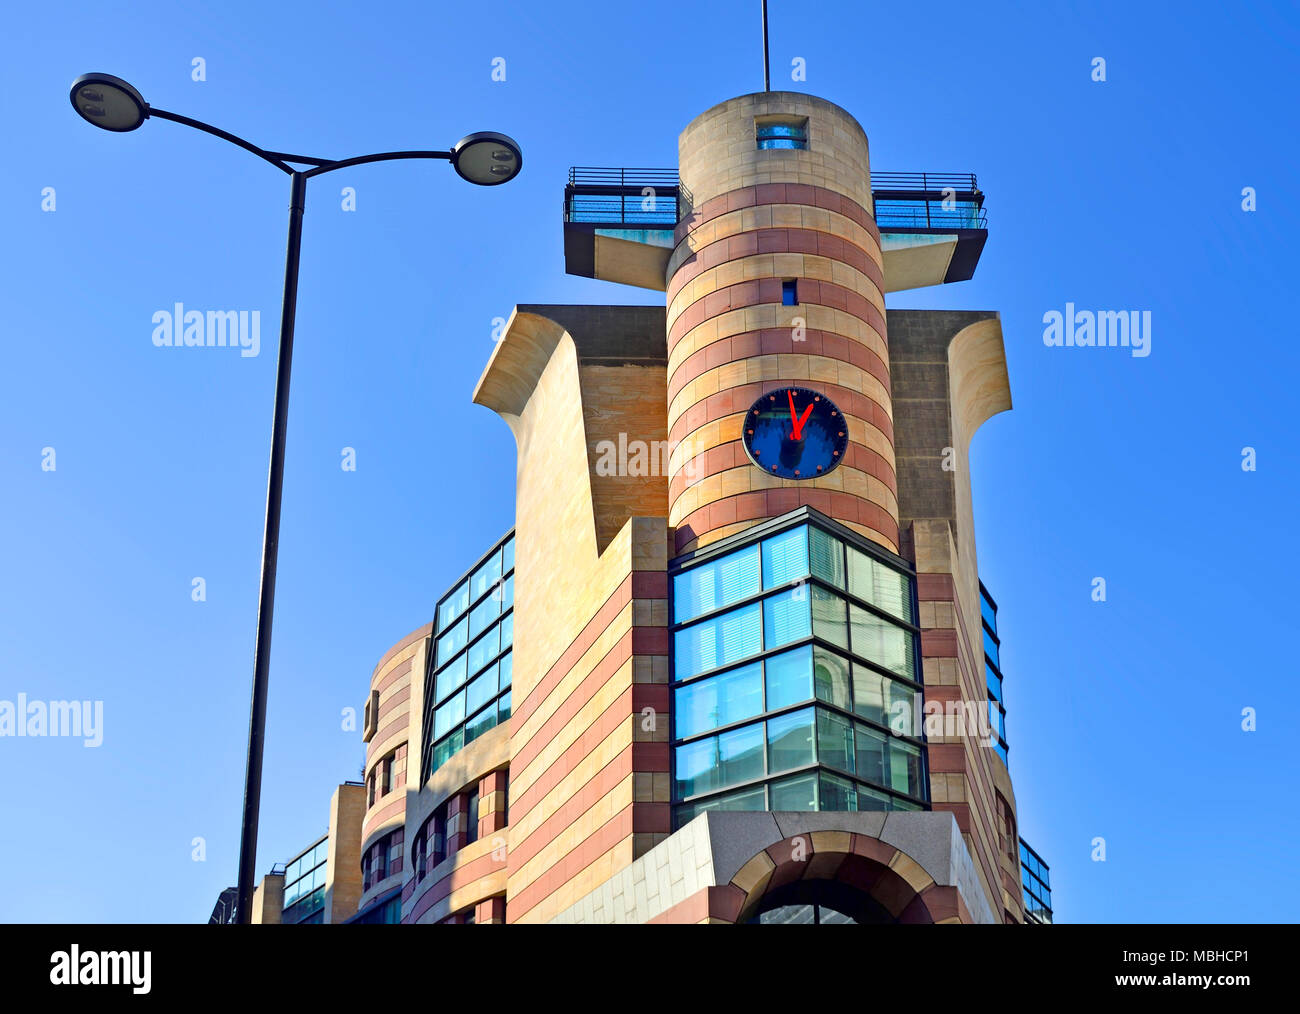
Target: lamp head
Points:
x,y
487,158
108,102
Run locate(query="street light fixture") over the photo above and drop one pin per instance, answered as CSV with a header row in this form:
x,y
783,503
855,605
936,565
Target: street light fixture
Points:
x,y
485,158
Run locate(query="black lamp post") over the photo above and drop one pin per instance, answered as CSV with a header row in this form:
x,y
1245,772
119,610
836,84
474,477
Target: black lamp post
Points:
x,y
487,159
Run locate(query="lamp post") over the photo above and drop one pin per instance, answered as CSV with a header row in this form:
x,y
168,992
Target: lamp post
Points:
x,y
487,159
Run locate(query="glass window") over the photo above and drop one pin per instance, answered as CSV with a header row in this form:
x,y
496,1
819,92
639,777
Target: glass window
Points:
x,y
481,723
827,557
749,799
881,642
448,747
790,741
872,758
718,641
786,617
471,816
991,648
449,715
483,614
834,741
993,681
715,585
870,799
777,134
719,700
452,641
488,573
481,690
837,793
453,606
830,616
988,612
905,768
450,678
721,760
508,631
789,678
881,585
508,556
831,678
482,651
503,706
508,593
785,557
507,669
797,793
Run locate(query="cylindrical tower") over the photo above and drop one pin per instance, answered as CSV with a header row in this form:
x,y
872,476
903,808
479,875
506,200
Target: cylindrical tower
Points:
x,y
776,279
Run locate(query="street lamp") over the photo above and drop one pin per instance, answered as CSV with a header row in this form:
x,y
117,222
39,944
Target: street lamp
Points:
x,y
487,159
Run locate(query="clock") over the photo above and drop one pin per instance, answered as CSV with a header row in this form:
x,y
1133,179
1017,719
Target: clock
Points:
x,y
795,433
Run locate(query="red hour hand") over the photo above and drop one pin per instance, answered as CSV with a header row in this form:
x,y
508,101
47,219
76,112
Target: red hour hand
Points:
x,y
797,432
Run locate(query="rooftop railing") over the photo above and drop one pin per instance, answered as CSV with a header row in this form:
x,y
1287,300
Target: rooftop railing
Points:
x,y
654,199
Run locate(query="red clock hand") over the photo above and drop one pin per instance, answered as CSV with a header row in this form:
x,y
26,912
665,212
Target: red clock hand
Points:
x,y
794,420
798,423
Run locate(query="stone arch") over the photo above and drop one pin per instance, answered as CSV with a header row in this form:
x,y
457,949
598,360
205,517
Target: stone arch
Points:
x,y
885,875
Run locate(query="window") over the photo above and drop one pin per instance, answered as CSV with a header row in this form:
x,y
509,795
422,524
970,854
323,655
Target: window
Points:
x,y
775,133
467,686
471,815
794,677
438,836
789,292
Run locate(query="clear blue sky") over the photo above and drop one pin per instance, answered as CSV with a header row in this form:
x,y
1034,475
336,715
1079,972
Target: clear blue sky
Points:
x,y
1124,716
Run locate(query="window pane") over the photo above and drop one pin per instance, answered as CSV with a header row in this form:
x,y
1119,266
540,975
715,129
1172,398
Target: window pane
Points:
x,y
450,678
790,740
508,556
789,678
827,557
987,611
715,585
452,607
508,593
870,799
503,706
484,650
905,768
830,616
447,747
483,614
507,669
731,637
481,690
719,761
798,793
831,678
881,585
991,649
508,631
785,557
872,757
749,799
485,577
452,641
719,700
449,715
834,741
881,642
837,794
480,723
786,617
869,694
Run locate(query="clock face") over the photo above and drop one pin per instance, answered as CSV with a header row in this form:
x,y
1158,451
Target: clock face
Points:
x,y
795,433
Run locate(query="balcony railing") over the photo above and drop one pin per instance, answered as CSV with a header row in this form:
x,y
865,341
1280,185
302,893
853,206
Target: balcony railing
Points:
x,y
655,199
640,198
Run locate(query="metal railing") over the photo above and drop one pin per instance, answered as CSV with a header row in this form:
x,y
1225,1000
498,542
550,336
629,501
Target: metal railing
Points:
x,y
654,198
648,198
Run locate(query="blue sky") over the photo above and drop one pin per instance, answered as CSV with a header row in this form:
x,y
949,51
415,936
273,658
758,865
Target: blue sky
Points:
x,y
1124,716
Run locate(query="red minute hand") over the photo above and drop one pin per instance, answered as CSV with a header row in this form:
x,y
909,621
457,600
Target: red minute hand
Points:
x,y
798,423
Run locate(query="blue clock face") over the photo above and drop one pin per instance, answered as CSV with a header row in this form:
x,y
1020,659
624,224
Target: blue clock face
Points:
x,y
795,433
